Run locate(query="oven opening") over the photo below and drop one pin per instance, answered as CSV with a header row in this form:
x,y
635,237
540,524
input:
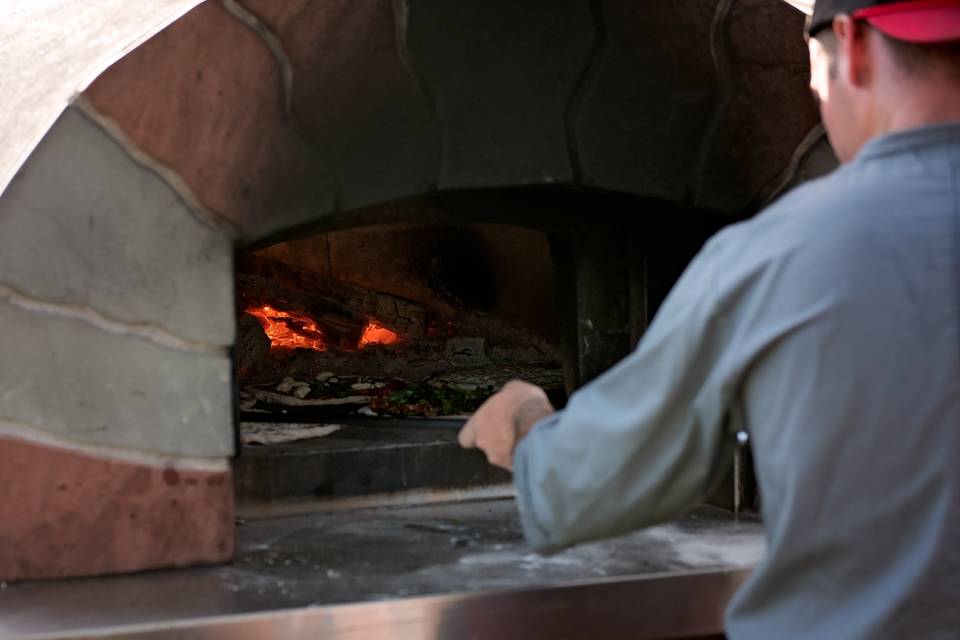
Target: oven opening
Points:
x,y
361,351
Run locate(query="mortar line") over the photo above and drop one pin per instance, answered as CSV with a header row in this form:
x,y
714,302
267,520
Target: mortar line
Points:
x,y
720,55
148,331
401,25
578,95
30,434
274,45
200,212
775,187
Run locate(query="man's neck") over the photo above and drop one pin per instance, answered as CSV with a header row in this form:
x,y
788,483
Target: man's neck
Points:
x,y
921,103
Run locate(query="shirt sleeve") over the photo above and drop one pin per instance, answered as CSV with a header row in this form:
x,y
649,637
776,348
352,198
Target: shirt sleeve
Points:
x,y
641,443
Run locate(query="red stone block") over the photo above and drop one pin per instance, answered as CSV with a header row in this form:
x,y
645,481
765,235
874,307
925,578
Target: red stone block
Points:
x,y
204,98
69,513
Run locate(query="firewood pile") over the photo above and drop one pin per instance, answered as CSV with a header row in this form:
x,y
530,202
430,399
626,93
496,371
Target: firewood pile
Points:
x,y
341,319
340,308
302,344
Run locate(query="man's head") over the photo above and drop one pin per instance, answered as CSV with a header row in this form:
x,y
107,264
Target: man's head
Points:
x,y
880,65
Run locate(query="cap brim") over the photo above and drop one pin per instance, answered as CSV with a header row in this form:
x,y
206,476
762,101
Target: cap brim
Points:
x,y
925,25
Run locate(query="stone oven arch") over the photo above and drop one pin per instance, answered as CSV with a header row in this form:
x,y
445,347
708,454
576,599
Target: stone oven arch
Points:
x,y
242,120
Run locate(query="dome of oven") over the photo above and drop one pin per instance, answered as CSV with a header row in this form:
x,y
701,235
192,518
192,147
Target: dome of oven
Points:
x,y
268,115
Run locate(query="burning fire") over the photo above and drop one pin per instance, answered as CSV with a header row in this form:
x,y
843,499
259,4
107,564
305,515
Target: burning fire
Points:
x,y
289,330
375,334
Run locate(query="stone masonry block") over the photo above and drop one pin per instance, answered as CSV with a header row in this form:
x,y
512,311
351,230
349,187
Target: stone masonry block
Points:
x,y
64,376
84,225
70,513
770,108
649,98
503,74
205,97
353,97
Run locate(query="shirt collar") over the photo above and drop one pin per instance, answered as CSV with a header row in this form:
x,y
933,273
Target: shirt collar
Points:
x,y
927,137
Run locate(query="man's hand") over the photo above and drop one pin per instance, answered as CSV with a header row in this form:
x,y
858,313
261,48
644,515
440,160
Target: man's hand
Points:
x,y
503,420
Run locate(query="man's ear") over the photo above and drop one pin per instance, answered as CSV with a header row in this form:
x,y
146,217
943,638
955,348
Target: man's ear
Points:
x,y
853,55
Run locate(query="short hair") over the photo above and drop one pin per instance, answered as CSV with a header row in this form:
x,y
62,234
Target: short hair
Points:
x,y
923,59
918,59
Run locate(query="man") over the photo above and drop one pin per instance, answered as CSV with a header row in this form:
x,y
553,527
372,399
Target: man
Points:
x,y
829,328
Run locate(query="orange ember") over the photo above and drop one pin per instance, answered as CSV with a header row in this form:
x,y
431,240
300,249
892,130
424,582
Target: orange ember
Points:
x,y
375,334
289,330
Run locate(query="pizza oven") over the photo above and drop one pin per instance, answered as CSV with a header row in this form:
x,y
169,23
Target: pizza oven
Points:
x,y
269,259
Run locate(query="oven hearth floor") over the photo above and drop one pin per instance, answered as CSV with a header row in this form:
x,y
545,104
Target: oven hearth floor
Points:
x,y
375,555
374,458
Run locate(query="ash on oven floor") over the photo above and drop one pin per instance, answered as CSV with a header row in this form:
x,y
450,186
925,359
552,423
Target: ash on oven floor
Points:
x,y
377,554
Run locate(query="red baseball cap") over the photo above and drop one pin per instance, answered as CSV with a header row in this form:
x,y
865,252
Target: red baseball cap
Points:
x,y
921,21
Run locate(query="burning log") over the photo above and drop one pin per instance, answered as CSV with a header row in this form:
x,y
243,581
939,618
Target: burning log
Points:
x,y
253,345
375,334
401,316
323,322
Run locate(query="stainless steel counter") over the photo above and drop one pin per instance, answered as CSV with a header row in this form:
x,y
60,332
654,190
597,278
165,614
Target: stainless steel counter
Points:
x,y
441,571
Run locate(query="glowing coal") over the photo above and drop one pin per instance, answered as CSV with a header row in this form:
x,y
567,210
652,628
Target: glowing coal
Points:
x,y
292,330
289,330
376,334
